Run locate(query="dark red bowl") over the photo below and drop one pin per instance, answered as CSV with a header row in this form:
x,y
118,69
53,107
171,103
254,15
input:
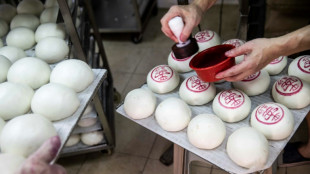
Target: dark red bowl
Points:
x,y
211,61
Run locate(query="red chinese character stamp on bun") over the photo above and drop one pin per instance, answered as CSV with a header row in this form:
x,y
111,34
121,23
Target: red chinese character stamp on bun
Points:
x,y
231,99
277,60
288,86
194,84
269,113
204,36
162,73
304,64
251,77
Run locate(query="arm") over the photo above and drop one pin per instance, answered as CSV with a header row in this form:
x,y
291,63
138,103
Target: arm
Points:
x,y
191,15
260,52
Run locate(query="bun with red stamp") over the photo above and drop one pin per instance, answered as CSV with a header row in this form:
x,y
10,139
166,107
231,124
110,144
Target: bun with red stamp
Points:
x,y
276,66
231,105
255,84
180,65
300,67
292,92
206,39
162,79
196,92
274,120
236,43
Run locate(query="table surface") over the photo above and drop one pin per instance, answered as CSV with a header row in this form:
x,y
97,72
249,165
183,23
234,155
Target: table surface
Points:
x,y
64,127
218,156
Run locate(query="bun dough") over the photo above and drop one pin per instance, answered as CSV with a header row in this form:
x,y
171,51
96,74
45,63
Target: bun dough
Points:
x,y
73,73
248,148
24,134
292,92
21,37
180,65
19,96
206,39
73,140
162,79
49,15
87,122
52,49
206,131
12,53
10,163
7,12
50,3
231,105
2,123
30,71
276,66
274,120
236,43
255,84
92,138
4,28
173,114
140,103
196,92
55,101
34,7
50,30
5,64
300,68
25,20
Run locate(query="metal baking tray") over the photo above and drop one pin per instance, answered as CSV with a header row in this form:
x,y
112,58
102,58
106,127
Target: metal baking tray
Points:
x,y
95,127
64,127
81,148
218,156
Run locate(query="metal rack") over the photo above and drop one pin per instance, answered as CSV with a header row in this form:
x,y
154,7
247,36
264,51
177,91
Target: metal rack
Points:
x,y
101,92
124,16
84,48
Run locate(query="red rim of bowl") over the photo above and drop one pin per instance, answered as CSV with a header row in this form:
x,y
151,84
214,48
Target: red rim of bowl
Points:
x,y
208,50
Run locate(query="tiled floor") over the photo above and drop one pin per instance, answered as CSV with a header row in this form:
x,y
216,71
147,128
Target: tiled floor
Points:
x,y
137,149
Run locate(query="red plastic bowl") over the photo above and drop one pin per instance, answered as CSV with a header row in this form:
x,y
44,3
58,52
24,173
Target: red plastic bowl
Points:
x,y
211,61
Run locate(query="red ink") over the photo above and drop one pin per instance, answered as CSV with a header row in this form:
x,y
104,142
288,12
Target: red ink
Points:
x,y
162,73
204,36
277,60
269,113
288,85
231,99
304,64
251,77
195,84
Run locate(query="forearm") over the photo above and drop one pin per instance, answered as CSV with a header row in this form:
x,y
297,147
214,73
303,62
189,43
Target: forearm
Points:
x,y
204,5
293,42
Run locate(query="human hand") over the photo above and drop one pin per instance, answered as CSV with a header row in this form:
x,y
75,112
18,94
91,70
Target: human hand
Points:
x,y
258,53
191,15
39,161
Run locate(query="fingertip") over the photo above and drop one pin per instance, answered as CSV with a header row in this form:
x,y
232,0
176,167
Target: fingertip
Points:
x,y
228,53
219,76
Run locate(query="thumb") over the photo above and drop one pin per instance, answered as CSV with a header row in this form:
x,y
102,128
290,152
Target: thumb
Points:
x,y
48,150
243,49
